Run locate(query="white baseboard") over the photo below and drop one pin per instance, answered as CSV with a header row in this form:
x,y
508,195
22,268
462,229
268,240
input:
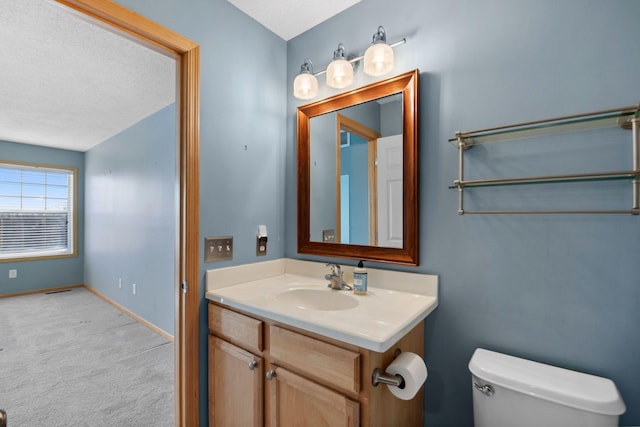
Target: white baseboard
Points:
x,y
129,313
42,291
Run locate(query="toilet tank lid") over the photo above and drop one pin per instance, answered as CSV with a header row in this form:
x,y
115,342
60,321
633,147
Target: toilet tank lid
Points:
x,y
562,386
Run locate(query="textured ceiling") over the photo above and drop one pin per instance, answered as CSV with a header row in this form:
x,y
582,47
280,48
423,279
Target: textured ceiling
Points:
x,y
69,83
289,18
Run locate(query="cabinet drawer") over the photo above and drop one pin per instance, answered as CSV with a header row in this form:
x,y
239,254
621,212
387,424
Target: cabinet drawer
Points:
x,y
326,362
237,328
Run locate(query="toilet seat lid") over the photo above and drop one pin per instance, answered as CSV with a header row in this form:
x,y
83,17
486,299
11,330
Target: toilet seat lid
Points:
x,y
559,385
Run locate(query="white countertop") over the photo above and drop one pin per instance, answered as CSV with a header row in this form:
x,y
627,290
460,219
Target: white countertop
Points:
x,y
375,321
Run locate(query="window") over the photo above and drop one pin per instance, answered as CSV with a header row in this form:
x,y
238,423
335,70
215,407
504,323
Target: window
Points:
x,y
37,211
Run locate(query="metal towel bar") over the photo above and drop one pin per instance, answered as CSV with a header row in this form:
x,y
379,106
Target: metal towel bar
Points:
x,y
626,117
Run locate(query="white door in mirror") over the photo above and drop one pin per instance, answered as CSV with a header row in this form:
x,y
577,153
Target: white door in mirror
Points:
x,y
390,188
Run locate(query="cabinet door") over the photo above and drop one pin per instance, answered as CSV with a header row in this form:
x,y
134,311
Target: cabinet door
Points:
x,y
235,386
295,401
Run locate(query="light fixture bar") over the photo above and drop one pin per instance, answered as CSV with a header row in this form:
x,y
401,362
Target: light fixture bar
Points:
x,y
359,58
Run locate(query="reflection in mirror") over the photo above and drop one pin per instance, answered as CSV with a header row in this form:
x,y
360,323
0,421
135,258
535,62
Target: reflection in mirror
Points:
x,y
366,142
357,170
355,182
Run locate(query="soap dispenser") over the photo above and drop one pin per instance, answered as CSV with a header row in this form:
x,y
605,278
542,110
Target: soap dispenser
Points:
x,y
360,280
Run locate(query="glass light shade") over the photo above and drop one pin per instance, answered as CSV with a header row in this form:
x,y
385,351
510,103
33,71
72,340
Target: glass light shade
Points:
x,y
339,74
378,59
305,86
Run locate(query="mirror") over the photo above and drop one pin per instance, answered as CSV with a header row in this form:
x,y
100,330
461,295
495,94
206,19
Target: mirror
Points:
x,y
358,173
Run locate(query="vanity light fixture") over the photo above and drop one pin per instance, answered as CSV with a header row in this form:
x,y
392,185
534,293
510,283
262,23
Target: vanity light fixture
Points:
x,y
378,60
305,85
340,71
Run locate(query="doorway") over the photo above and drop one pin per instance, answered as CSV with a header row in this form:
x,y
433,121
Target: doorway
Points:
x,y
356,182
187,54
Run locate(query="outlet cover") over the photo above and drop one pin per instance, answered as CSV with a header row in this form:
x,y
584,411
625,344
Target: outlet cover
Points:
x,y
13,274
218,248
261,246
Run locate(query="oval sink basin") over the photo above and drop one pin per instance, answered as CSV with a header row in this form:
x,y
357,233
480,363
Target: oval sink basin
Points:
x,y
317,299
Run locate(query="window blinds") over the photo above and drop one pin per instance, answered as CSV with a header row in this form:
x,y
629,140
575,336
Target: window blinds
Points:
x,y
36,211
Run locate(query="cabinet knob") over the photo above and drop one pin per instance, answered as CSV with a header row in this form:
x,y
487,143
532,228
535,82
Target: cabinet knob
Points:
x,y
253,365
271,374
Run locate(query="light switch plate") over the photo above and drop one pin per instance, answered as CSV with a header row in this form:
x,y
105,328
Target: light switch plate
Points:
x,y
329,236
218,248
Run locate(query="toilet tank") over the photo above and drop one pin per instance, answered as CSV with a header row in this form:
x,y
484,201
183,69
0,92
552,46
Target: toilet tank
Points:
x,y
513,392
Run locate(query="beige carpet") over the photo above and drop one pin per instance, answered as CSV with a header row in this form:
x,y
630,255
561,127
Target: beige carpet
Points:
x,y
71,359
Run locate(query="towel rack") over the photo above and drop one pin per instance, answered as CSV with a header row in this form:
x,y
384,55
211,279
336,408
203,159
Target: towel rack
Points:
x,y
625,117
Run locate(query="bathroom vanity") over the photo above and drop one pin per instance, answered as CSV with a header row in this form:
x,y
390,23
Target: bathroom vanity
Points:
x,y
285,350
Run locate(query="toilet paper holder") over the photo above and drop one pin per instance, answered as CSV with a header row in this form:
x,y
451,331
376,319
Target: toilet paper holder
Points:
x,y
381,377
404,376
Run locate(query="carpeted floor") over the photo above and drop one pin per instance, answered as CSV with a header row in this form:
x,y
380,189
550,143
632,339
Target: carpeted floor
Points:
x,y
71,359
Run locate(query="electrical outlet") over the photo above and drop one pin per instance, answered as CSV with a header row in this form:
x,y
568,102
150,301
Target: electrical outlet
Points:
x,y
133,288
13,274
120,283
218,248
261,246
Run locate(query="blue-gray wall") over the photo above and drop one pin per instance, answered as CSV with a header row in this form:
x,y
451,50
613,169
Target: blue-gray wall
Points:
x,y
558,289
391,118
34,275
354,162
322,175
131,215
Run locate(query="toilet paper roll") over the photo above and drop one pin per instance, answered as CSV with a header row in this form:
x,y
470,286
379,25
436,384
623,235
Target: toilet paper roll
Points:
x,y
412,369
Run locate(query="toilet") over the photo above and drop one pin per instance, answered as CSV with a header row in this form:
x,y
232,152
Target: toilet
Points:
x,y
513,392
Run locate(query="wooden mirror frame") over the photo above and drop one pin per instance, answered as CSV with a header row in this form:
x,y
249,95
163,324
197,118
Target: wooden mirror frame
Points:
x,y
407,84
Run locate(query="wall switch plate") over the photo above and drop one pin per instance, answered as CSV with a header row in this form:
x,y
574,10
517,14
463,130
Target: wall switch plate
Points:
x,y
218,248
261,246
13,274
329,236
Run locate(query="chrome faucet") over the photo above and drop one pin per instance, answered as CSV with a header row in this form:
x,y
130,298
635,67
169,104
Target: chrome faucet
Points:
x,y
335,278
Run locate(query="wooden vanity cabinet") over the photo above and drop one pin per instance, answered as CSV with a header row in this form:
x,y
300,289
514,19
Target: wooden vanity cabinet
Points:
x,y
295,401
237,392
262,373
